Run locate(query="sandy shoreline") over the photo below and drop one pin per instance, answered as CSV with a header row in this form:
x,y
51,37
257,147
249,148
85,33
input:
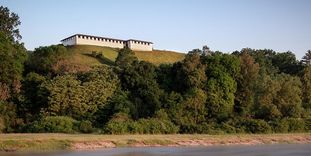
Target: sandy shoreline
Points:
x,y
52,142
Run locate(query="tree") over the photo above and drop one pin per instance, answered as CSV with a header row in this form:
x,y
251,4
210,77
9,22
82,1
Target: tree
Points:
x,y
306,59
286,63
246,84
44,60
9,21
306,87
289,99
31,103
193,110
12,57
140,80
220,87
279,96
267,89
125,57
264,58
190,73
79,96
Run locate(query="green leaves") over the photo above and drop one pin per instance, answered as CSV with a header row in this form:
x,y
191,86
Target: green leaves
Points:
x,y
79,96
8,23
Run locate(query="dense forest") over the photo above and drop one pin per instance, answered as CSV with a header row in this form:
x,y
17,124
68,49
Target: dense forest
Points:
x,y
247,91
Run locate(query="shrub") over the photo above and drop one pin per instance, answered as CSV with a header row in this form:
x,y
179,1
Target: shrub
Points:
x,y
296,125
308,124
53,124
85,127
141,126
279,126
2,125
228,128
256,126
157,126
117,127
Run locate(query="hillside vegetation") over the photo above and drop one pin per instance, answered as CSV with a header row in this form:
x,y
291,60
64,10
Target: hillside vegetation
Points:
x,y
84,54
55,90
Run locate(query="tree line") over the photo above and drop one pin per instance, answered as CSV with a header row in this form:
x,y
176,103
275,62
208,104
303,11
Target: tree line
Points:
x,y
247,91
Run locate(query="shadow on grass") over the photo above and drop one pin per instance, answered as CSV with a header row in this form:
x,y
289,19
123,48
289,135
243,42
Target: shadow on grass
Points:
x,y
101,59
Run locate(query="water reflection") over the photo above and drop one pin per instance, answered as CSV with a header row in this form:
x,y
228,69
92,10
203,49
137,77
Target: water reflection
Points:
x,y
258,150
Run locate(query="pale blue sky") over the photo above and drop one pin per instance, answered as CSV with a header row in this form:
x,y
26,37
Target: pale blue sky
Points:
x,y
224,25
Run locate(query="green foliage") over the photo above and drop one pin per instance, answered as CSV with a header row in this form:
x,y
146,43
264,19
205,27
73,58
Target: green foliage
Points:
x,y
193,109
9,23
286,63
140,80
44,59
85,126
12,57
118,103
306,59
79,96
9,119
53,124
256,126
121,124
278,97
280,126
118,124
296,125
289,99
2,125
125,57
308,124
306,87
220,86
31,102
246,81
251,91
192,72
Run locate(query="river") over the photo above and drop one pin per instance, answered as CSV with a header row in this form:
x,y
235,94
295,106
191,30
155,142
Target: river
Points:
x,y
256,150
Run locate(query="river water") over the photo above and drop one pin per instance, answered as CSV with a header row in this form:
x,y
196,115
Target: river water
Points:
x,y
257,150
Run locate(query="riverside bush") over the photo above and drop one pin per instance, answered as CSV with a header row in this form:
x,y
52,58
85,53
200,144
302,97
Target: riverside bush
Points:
x,y
54,124
256,126
141,126
2,125
296,125
279,126
85,127
308,124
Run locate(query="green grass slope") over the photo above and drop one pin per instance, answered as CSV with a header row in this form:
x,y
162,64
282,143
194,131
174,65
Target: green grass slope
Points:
x,y
84,54
159,56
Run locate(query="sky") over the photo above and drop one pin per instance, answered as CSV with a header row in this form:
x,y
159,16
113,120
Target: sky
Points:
x,y
181,25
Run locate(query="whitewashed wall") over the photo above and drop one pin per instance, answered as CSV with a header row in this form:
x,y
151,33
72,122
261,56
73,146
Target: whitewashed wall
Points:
x,y
70,41
141,46
106,42
100,42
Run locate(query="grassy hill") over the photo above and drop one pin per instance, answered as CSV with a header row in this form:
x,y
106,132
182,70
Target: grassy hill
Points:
x,y
84,54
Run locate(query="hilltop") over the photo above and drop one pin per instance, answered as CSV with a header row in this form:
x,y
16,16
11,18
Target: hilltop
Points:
x,y
86,54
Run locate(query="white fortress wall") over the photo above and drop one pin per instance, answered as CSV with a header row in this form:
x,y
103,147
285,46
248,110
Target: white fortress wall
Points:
x,y
87,40
69,41
140,45
80,39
